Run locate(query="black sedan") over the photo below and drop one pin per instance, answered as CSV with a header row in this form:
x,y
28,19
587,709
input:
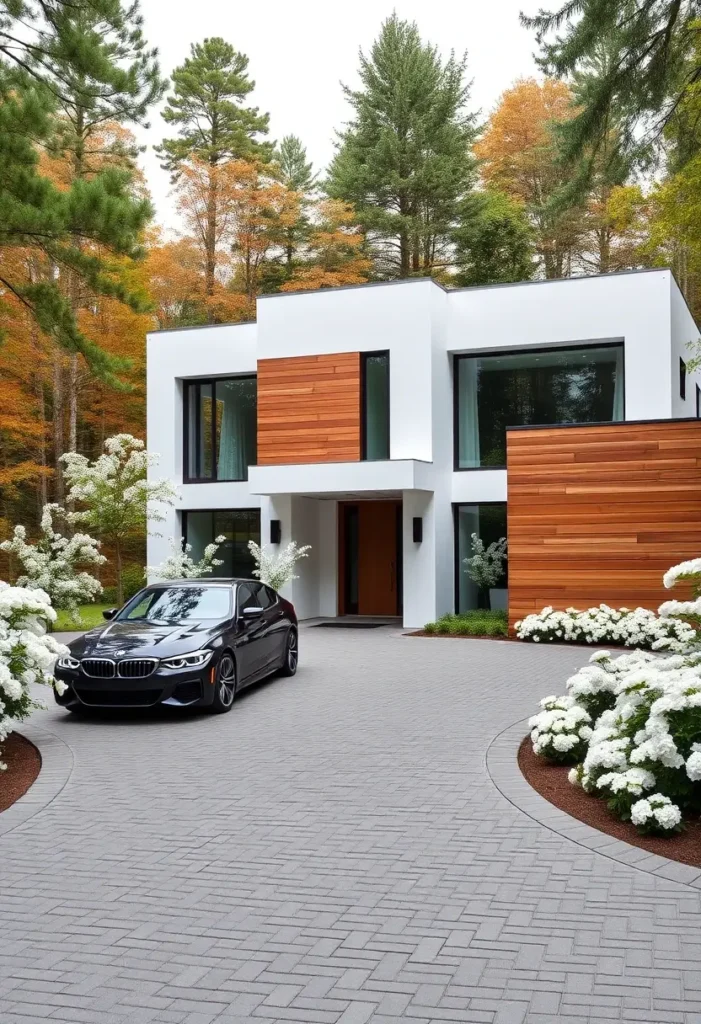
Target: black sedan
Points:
x,y
190,643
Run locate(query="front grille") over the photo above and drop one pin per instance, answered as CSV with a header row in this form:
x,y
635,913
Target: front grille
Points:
x,y
118,698
98,668
136,668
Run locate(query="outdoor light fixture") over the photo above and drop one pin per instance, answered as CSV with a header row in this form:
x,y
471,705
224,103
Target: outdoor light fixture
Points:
x,y
275,531
418,529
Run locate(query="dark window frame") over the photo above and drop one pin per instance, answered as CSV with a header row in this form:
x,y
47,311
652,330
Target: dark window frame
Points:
x,y
457,505
698,402
682,379
227,508
519,352
188,383
364,356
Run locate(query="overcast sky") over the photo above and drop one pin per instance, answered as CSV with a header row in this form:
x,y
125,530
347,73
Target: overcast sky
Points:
x,y
300,51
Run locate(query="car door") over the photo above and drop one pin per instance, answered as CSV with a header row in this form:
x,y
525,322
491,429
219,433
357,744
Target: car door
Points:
x,y
250,646
275,633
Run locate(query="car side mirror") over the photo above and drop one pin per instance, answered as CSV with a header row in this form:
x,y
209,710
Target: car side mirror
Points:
x,y
251,613
109,613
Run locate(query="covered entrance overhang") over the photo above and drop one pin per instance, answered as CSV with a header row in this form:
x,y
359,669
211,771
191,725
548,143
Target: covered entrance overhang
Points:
x,y
335,479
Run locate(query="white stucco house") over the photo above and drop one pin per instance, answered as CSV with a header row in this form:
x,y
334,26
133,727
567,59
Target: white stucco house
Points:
x,y
370,421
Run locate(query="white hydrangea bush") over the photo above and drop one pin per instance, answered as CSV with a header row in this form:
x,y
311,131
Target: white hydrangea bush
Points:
x,y
639,746
54,563
27,652
639,627
180,565
276,570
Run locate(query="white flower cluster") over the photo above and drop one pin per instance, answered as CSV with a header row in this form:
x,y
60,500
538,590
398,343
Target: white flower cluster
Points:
x,y
657,811
602,625
52,563
179,565
276,570
485,566
561,730
27,653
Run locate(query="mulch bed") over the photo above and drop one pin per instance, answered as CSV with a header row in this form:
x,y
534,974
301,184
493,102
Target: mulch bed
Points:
x,y
23,762
550,780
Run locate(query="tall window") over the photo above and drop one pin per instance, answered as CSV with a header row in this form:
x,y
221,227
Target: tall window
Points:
x,y
238,526
682,379
488,521
493,392
220,428
375,405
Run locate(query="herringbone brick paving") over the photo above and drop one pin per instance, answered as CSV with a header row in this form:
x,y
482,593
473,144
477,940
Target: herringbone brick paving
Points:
x,y
332,851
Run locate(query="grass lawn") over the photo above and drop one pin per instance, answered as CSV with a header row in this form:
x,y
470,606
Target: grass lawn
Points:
x,y
90,614
480,622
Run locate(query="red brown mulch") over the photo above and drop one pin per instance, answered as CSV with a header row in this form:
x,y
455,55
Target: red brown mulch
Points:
x,y
550,780
23,762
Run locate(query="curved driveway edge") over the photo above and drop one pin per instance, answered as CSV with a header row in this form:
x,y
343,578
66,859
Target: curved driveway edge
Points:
x,y
503,768
56,768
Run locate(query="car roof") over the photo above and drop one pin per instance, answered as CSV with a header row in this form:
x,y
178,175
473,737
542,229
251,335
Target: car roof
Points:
x,y
218,581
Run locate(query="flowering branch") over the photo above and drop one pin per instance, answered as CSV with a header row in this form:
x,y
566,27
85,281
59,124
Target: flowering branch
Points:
x,y
179,565
277,570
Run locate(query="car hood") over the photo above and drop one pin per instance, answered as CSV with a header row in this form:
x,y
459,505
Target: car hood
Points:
x,y
140,639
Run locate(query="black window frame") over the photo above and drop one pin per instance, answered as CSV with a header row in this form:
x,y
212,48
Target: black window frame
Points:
x,y
188,384
698,402
364,356
456,542
682,379
184,513
457,356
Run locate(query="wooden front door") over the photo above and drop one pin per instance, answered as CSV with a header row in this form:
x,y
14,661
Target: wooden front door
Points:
x,y
370,558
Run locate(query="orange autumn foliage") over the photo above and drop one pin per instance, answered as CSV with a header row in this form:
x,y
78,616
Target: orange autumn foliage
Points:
x,y
336,251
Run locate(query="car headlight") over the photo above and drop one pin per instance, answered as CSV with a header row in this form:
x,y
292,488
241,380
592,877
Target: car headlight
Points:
x,y
194,660
68,662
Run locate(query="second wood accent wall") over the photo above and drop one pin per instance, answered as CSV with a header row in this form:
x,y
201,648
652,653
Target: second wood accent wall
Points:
x,y
309,409
598,514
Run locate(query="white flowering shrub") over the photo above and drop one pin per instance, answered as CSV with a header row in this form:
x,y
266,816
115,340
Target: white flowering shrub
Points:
x,y
561,730
52,564
179,565
485,566
114,495
27,653
640,628
276,570
642,750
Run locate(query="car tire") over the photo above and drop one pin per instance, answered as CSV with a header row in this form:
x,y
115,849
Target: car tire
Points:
x,y
291,656
225,685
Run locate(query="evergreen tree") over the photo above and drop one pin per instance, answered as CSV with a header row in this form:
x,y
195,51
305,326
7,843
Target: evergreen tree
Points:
x,y
404,160
206,107
494,241
654,64
296,173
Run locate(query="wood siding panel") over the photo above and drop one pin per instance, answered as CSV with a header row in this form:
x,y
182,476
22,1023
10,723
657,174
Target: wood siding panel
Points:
x,y
597,514
309,409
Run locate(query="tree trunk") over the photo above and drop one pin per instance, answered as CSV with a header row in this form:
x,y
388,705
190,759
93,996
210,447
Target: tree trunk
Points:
x,y
118,561
42,494
211,235
58,413
73,403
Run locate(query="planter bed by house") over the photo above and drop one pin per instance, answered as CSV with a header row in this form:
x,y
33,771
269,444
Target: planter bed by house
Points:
x,y
550,780
23,765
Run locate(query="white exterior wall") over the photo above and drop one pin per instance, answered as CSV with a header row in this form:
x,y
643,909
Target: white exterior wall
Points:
x,y
423,327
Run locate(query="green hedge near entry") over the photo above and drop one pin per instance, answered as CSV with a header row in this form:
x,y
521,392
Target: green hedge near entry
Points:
x,y
479,622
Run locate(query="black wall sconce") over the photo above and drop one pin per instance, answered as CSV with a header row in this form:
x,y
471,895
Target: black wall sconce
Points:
x,y
275,531
418,529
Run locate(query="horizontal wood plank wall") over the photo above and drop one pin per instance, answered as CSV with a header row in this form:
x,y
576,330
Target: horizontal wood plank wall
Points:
x,y
309,409
599,513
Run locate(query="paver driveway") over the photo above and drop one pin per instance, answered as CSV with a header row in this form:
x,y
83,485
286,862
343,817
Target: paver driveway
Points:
x,y
331,851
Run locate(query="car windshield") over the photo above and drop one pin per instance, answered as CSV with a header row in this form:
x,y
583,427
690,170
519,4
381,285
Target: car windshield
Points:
x,y
178,604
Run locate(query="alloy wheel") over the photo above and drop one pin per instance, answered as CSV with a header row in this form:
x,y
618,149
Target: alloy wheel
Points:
x,y
227,680
292,651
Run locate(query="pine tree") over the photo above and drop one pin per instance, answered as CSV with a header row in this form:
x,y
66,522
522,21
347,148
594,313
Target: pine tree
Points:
x,y
404,160
297,174
206,107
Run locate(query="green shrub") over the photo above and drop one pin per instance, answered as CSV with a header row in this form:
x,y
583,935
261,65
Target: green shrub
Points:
x,y
480,622
133,580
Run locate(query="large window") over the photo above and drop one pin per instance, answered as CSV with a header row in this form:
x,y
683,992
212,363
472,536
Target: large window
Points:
x,y
493,392
220,428
237,526
488,521
375,403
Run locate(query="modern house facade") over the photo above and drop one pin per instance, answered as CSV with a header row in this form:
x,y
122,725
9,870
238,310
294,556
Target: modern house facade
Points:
x,y
371,422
